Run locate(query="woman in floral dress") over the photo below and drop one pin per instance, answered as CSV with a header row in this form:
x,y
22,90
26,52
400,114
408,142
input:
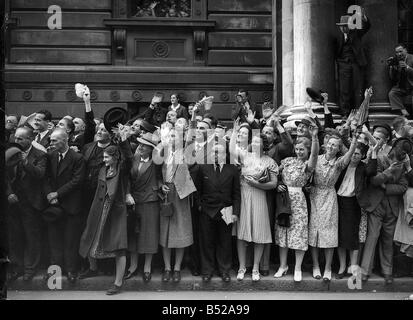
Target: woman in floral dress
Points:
x,y
323,226
295,175
258,174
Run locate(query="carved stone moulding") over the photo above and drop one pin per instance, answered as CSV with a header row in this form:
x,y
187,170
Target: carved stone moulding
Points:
x,y
27,95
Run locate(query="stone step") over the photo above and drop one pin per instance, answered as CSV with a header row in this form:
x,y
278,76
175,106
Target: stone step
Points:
x,y
190,283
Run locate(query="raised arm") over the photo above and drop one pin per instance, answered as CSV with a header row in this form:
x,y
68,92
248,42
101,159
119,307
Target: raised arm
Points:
x,y
90,126
315,149
345,160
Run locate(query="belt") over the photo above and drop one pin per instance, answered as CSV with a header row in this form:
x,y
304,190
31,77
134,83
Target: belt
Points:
x,y
294,189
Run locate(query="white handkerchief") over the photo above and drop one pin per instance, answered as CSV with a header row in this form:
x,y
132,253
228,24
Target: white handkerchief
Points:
x,y
227,215
80,89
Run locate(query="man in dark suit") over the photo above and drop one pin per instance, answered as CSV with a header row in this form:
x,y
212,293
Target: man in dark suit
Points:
x,y
65,176
218,187
246,110
351,61
383,200
26,201
40,125
401,74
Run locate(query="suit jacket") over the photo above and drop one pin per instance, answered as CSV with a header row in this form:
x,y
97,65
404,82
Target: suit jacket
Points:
x,y
218,191
66,179
25,184
395,72
145,183
363,172
45,141
355,40
181,112
238,110
155,116
395,186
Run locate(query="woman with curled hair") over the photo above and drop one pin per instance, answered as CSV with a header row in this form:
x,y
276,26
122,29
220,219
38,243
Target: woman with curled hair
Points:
x,y
350,185
105,235
295,173
258,174
323,225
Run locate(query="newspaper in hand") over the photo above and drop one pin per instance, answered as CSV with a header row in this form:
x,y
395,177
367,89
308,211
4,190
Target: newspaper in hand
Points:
x,y
227,215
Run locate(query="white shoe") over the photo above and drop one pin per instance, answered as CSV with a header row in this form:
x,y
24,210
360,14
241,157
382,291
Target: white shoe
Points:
x,y
281,272
255,275
241,274
327,275
316,273
298,276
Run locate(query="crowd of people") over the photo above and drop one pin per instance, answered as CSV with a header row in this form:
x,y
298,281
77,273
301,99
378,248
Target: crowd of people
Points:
x,y
180,179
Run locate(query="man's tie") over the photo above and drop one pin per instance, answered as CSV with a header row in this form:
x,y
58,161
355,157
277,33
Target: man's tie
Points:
x,y
217,170
38,138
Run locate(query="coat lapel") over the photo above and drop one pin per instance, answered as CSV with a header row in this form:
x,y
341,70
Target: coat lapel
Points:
x,y
65,161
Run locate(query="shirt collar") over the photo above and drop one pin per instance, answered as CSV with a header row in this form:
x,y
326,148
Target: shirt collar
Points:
x,y
64,153
145,160
175,108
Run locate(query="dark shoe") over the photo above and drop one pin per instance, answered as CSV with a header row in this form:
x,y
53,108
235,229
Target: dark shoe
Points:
x,y
226,277
176,277
13,276
265,273
340,275
71,277
195,272
388,279
28,277
47,276
129,274
206,278
166,276
147,276
113,290
88,274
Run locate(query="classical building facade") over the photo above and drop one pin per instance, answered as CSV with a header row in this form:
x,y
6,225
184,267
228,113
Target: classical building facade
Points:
x,y
126,50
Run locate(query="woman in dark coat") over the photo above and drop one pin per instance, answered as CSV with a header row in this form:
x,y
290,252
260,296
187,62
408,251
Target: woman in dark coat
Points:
x,y
105,235
145,184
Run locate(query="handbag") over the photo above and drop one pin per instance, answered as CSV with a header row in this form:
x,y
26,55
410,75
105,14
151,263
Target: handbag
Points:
x,y
265,176
167,209
282,209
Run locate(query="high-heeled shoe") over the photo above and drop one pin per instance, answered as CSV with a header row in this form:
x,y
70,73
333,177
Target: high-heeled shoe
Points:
x,y
255,275
129,274
298,276
281,272
327,275
146,276
316,273
241,274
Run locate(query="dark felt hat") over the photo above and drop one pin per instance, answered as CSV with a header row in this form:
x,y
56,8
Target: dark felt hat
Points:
x,y
344,20
145,125
384,126
113,117
53,213
315,94
12,150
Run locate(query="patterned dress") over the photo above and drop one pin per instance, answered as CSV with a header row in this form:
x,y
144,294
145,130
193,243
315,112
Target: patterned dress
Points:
x,y
295,177
254,224
323,227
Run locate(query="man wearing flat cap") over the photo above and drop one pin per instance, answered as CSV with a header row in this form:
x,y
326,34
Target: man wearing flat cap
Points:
x,y
351,62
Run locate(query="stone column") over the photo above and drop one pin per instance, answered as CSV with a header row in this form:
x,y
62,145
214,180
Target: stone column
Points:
x,y
314,30
287,48
380,42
